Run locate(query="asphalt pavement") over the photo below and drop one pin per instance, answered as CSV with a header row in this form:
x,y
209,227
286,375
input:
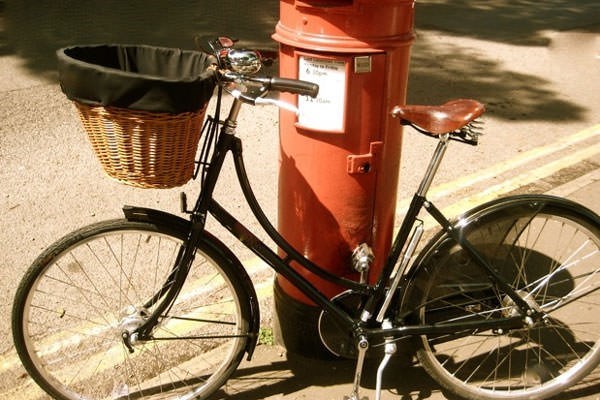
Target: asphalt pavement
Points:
x,y
536,66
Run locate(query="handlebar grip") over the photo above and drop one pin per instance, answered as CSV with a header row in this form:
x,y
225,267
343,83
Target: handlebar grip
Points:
x,y
294,86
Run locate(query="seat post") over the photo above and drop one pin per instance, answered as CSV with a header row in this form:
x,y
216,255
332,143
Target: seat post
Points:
x,y
434,164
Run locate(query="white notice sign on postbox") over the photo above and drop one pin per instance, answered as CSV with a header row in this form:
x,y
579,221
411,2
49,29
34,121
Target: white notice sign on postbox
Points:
x,y
326,111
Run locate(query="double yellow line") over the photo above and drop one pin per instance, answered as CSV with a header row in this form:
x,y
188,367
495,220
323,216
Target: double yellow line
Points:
x,y
518,181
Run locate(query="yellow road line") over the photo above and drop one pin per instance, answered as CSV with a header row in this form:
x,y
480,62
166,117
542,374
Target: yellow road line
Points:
x,y
193,288
446,189
517,182
108,358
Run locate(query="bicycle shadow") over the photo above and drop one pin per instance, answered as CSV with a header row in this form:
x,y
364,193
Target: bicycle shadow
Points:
x,y
297,376
272,374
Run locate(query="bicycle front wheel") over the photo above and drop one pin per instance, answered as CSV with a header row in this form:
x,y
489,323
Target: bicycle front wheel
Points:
x,y
85,292
548,250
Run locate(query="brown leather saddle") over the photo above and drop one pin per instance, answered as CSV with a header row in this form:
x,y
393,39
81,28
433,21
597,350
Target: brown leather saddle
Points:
x,y
438,120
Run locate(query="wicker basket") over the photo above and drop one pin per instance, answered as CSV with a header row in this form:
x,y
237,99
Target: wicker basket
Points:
x,y
141,148
141,106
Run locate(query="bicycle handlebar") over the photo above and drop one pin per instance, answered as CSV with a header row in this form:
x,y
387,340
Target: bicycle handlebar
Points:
x,y
294,86
240,66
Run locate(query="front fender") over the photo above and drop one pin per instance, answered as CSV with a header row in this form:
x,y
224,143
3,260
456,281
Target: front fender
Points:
x,y
181,227
161,218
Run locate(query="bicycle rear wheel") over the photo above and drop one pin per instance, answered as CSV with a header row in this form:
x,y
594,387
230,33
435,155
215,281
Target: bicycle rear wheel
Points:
x,y
79,297
548,250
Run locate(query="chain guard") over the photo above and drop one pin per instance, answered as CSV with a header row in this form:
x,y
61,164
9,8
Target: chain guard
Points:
x,y
336,339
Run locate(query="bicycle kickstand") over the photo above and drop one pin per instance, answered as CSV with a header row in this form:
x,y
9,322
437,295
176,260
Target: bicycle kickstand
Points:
x,y
390,350
362,346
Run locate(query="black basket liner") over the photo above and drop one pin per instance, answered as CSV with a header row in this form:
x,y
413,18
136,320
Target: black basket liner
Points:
x,y
137,77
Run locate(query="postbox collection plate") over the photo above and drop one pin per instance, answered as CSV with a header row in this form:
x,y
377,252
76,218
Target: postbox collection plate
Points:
x,y
326,112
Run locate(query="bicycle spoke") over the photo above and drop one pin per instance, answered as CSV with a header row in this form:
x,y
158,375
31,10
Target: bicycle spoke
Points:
x,y
100,284
552,261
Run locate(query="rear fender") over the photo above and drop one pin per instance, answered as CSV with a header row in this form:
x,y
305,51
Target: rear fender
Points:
x,y
499,214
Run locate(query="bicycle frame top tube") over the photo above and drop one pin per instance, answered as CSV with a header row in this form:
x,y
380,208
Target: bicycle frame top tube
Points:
x,y
228,142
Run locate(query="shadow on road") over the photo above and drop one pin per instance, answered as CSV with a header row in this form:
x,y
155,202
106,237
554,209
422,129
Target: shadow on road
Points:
x,y
332,379
325,376
35,29
439,73
520,22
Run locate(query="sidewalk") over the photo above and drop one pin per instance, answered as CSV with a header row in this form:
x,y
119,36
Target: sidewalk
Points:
x,y
535,68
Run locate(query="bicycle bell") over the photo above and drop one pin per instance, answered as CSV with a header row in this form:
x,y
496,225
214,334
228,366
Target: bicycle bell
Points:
x,y
244,61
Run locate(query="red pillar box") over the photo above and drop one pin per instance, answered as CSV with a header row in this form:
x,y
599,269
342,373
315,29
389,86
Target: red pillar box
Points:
x,y
340,157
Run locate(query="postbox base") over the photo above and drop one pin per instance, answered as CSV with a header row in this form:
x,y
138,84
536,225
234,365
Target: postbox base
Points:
x,y
295,326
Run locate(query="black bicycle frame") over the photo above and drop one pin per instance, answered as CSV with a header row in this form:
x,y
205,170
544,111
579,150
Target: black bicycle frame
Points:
x,y
205,204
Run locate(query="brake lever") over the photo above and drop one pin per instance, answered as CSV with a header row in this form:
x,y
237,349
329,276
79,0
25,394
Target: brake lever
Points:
x,y
263,101
236,93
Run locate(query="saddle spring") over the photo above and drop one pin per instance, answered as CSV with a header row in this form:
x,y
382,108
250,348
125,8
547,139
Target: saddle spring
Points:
x,y
470,133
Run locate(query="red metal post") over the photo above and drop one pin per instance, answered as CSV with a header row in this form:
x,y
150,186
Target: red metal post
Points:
x,y
340,158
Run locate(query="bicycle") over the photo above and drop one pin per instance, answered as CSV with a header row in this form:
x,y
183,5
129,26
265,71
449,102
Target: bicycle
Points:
x,y
499,304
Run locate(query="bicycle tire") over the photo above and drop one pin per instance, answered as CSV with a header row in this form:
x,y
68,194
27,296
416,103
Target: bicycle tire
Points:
x,y
84,291
548,250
